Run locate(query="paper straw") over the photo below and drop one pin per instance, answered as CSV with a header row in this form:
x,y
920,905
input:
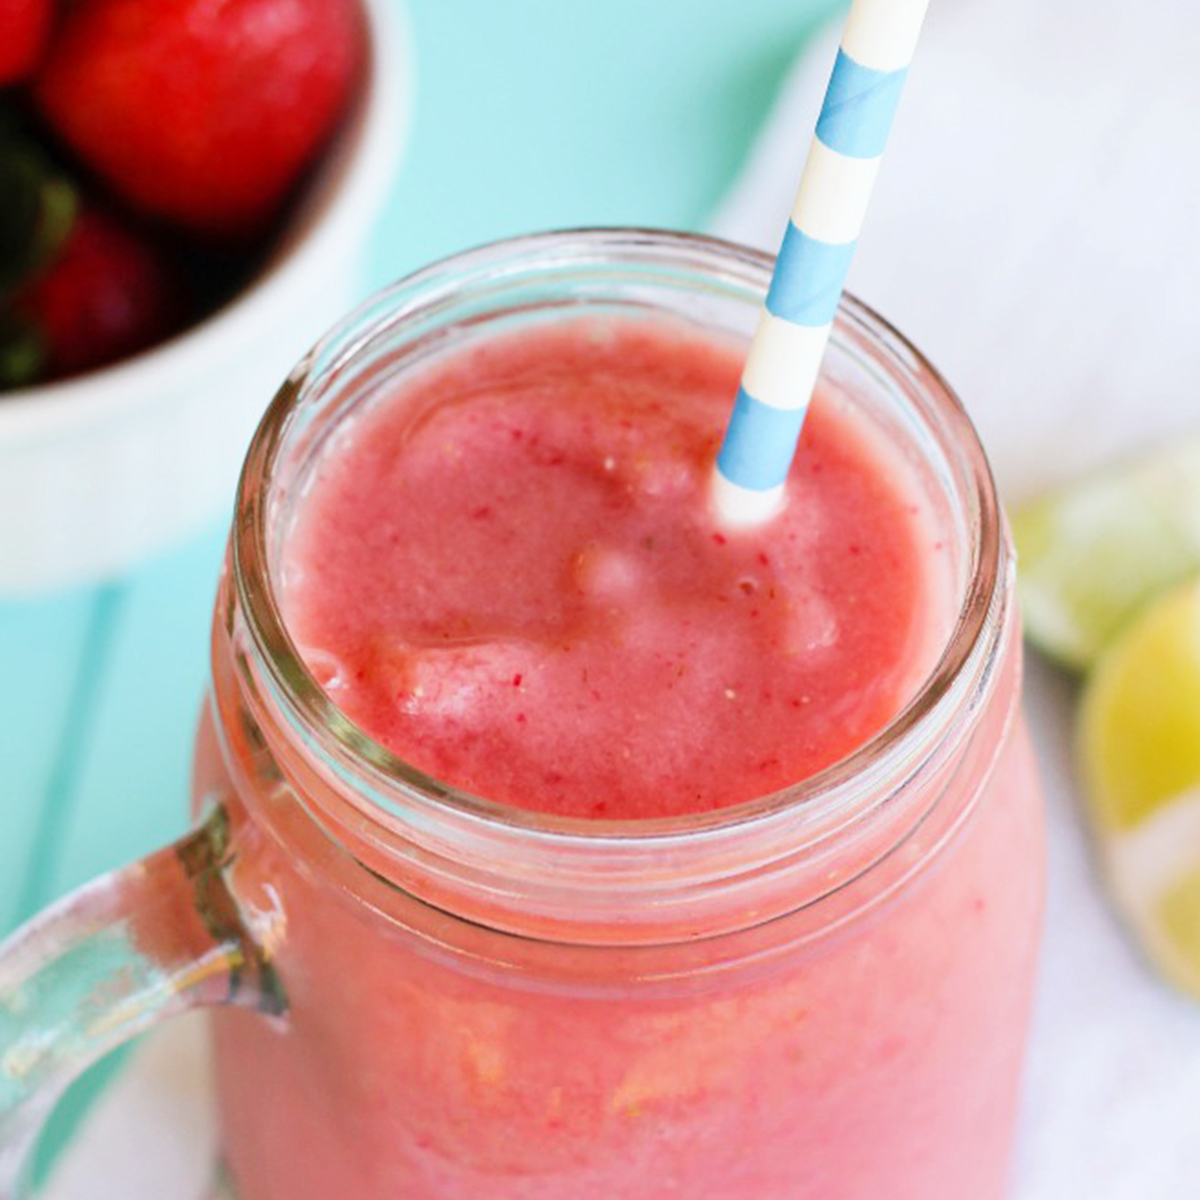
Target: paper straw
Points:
x,y
785,356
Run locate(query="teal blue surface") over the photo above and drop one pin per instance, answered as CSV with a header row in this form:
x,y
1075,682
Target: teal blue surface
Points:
x,y
527,116
537,115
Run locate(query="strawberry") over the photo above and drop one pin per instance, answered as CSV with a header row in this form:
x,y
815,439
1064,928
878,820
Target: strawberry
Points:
x,y
26,26
204,112
106,294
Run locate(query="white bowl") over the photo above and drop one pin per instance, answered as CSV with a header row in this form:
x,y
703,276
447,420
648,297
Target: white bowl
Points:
x,y
100,471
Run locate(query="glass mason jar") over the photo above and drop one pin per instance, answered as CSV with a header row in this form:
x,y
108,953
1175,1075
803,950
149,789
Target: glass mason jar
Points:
x,y
822,993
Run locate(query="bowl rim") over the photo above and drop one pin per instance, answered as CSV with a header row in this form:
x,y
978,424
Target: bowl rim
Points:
x,y
359,166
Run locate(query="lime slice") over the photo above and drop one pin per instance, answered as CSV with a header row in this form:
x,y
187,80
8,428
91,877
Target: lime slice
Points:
x,y
1092,554
1140,746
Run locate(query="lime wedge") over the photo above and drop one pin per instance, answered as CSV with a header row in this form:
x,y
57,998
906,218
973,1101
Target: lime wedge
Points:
x,y
1140,748
1092,554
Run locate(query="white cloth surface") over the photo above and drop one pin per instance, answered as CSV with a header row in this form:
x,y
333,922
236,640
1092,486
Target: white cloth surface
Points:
x,y
153,1134
1035,232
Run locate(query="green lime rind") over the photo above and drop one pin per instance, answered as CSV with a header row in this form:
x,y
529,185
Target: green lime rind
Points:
x,y
1093,554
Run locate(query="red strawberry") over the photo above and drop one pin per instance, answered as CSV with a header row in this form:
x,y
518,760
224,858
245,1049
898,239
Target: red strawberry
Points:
x,y
205,112
107,294
24,27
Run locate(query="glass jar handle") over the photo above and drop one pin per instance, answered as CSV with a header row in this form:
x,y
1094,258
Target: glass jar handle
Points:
x,y
107,962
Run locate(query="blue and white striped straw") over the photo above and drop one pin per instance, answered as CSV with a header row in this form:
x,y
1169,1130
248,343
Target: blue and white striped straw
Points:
x,y
785,357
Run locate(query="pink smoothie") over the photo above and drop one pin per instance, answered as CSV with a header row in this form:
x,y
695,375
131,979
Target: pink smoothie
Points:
x,y
507,572
519,587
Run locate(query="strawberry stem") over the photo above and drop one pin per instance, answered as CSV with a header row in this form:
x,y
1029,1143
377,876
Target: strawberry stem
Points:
x,y
22,353
38,211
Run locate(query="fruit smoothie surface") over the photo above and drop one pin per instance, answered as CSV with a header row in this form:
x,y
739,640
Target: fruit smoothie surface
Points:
x,y
508,573
502,563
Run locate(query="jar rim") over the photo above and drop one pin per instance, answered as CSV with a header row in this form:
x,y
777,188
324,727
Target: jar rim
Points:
x,y
971,644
